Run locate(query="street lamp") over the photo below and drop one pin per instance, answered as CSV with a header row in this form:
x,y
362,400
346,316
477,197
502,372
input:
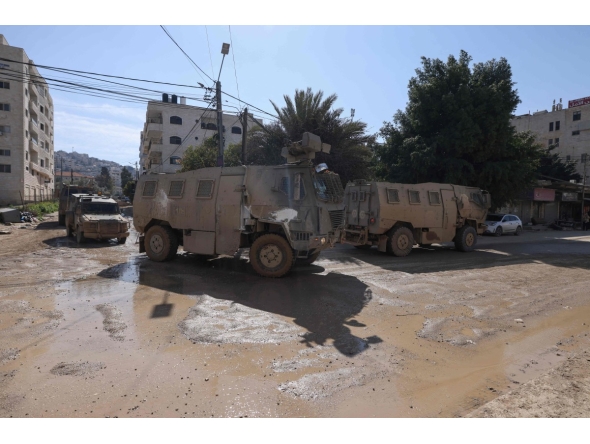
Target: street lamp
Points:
x,y
224,51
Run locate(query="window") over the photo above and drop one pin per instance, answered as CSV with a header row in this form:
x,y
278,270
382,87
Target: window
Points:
x,y
41,108
293,189
362,196
4,85
557,125
550,142
42,127
4,168
236,130
205,189
354,196
27,134
176,188
27,112
568,158
27,156
175,120
434,197
175,140
4,129
212,126
414,196
584,158
4,152
557,141
392,195
4,106
203,125
149,188
175,160
42,163
26,92
576,133
577,115
550,126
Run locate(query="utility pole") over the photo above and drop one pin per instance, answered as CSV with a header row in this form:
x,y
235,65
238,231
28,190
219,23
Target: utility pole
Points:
x,y
224,51
61,171
583,189
244,134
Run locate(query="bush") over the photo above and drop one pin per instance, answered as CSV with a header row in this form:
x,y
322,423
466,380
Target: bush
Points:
x,y
42,208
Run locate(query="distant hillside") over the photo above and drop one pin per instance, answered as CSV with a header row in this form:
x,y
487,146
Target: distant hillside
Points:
x,y
83,163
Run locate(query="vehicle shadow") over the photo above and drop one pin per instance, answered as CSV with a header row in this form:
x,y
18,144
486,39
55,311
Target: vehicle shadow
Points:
x,y
324,305
553,248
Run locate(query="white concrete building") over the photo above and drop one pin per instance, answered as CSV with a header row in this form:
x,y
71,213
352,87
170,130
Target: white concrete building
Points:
x,y
567,128
26,130
170,128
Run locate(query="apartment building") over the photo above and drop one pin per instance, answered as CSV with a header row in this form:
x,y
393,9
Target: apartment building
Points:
x,y
171,127
26,129
566,128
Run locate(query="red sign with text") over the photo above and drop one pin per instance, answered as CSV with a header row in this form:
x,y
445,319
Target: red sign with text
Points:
x,y
578,102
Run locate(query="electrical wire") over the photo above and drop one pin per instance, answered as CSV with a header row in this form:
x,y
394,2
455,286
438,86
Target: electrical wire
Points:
x,y
209,46
234,59
192,61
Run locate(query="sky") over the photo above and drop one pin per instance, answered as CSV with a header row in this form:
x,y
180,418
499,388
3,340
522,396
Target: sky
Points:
x,y
368,67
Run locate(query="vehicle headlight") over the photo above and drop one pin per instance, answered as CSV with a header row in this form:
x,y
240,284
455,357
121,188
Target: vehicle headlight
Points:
x,y
323,240
124,226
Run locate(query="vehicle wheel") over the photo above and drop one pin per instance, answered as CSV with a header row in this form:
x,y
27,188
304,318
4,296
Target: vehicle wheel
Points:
x,y
401,241
466,238
271,256
122,240
518,231
161,243
68,231
80,236
363,247
498,232
61,220
309,259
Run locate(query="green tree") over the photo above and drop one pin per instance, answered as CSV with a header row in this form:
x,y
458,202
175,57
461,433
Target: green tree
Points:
x,y
125,177
308,111
232,156
104,180
129,189
456,129
552,167
203,156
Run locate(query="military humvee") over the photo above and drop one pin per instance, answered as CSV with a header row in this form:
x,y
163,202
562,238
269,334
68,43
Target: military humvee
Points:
x,y
96,217
396,216
282,213
64,197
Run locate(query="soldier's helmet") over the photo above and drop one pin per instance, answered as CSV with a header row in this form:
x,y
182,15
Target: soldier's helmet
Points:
x,y
321,167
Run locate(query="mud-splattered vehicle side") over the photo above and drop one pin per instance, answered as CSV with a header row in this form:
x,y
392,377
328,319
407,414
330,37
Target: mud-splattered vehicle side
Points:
x,y
282,213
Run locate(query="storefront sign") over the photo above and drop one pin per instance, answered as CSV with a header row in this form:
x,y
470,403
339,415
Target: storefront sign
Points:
x,y
543,195
578,102
569,197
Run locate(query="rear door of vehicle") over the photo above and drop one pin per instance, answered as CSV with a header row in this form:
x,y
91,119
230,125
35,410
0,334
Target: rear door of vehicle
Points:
x,y
228,211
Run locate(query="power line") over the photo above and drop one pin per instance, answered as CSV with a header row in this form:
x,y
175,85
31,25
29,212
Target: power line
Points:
x,y
209,46
192,61
234,59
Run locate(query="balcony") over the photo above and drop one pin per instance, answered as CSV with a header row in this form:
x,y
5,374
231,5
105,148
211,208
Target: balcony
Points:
x,y
149,143
154,126
155,157
33,145
41,170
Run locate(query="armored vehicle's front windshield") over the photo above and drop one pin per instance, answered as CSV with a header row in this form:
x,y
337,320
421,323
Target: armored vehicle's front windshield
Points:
x,y
99,208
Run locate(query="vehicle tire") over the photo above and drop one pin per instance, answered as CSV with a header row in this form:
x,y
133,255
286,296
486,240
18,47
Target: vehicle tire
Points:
x,y
61,220
161,243
271,256
68,231
498,232
518,231
363,247
466,238
401,241
122,240
309,259
80,239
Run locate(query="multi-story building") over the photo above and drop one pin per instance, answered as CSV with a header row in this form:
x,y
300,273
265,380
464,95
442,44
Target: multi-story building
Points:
x,y
26,129
566,128
171,127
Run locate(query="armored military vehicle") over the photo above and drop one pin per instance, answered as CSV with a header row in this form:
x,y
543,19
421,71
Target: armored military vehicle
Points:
x,y
96,217
396,216
282,213
64,197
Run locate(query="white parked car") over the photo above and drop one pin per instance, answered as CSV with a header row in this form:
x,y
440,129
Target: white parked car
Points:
x,y
498,224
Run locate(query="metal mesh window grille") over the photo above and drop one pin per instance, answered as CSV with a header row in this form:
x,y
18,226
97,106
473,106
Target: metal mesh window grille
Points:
x,y
434,197
205,188
414,196
392,195
176,188
329,187
149,188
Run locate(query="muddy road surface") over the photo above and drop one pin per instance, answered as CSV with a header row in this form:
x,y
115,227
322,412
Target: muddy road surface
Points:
x,y
99,330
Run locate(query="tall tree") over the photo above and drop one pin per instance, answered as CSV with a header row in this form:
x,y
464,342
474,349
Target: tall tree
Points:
x,y
309,111
456,129
104,180
125,177
552,167
203,156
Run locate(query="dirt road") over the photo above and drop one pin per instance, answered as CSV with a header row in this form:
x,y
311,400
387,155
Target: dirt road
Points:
x,y
99,330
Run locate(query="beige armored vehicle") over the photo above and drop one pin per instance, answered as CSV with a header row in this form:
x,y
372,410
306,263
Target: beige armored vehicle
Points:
x,y
397,216
282,213
64,198
95,217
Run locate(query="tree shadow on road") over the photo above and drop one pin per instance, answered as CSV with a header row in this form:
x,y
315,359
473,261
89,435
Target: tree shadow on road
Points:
x,y
324,305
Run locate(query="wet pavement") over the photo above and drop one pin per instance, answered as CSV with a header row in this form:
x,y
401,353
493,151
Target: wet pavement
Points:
x,y
99,330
